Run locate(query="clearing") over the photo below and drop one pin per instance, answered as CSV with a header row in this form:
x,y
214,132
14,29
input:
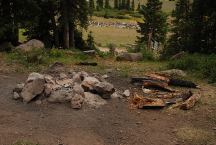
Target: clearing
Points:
x,y
112,124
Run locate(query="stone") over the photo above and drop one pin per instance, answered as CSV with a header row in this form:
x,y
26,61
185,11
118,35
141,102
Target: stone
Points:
x,y
62,76
16,96
104,89
38,102
94,100
173,73
126,93
18,88
77,88
35,76
89,83
49,79
116,95
77,78
77,101
33,88
31,45
65,82
129,57
105,76
60,96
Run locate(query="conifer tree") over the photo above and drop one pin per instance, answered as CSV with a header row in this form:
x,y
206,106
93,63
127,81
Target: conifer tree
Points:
x,y
91,7
154,26
107,4
181,30
128,6
133,5
116,4
138,7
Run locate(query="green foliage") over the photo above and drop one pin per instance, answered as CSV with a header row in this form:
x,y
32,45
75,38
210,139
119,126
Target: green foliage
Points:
x,y
91,6
154,25
90,41
202,64
56,53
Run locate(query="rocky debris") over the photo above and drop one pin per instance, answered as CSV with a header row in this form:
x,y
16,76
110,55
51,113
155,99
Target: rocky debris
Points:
x,y
63,87
116,95
77,101
126,93
30,45
129,57
94,100
105,76
16,96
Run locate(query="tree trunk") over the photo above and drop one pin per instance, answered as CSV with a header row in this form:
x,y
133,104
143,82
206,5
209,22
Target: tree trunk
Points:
x,y
72,42
55,29
66,35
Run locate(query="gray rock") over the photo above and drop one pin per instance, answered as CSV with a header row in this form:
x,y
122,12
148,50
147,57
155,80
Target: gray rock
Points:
x,y
129,57
94,100
16,96
62,76
35,76
126,93
89,83
116,95
105,76
60,96
77,101
30,45
49,79
174,73
32,88
77,88
18,88
104,89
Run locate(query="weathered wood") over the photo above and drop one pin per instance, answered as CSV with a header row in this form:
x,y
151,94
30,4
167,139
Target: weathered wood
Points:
x,y
147,103
179,97
189,103
158,77
88,63
182,83
90,52
157,85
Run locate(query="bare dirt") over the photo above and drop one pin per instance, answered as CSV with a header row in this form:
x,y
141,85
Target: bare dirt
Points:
x,y
112,124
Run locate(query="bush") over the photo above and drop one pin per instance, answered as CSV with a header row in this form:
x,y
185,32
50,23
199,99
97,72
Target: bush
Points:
x,y
197,63
56,53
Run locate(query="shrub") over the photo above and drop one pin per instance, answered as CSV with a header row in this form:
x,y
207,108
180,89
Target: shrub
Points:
x,y
56,53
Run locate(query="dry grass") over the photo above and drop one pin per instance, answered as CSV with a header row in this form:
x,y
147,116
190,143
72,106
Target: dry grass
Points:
x,y
117,36
195,136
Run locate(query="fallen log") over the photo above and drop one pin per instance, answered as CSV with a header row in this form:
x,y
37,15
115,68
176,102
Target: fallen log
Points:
x,y
189,103
180,97
182,83
158,77
88,63
157,85
90,52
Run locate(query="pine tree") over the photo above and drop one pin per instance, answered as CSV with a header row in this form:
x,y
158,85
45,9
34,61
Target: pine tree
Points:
x,y
128,7
91,7
116,4
133,5
107,4
90,41
181,31
154,26
138,7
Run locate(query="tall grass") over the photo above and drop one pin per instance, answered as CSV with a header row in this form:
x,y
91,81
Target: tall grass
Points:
x,y
204,65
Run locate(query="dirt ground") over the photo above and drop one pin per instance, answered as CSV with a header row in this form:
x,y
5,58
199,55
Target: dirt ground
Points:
x,y
112,124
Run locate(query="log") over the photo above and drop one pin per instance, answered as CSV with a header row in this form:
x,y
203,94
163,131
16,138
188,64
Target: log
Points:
x,y
157,85
90,52
139,80
180,97
88,63
158,77
147,103
190,103
182,83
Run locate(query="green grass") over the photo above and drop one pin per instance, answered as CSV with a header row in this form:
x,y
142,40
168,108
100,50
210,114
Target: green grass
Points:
x,y
203,66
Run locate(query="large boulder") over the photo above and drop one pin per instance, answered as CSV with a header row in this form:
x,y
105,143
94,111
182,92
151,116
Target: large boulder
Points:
x,y
30,45
104,89
129,57
33,87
